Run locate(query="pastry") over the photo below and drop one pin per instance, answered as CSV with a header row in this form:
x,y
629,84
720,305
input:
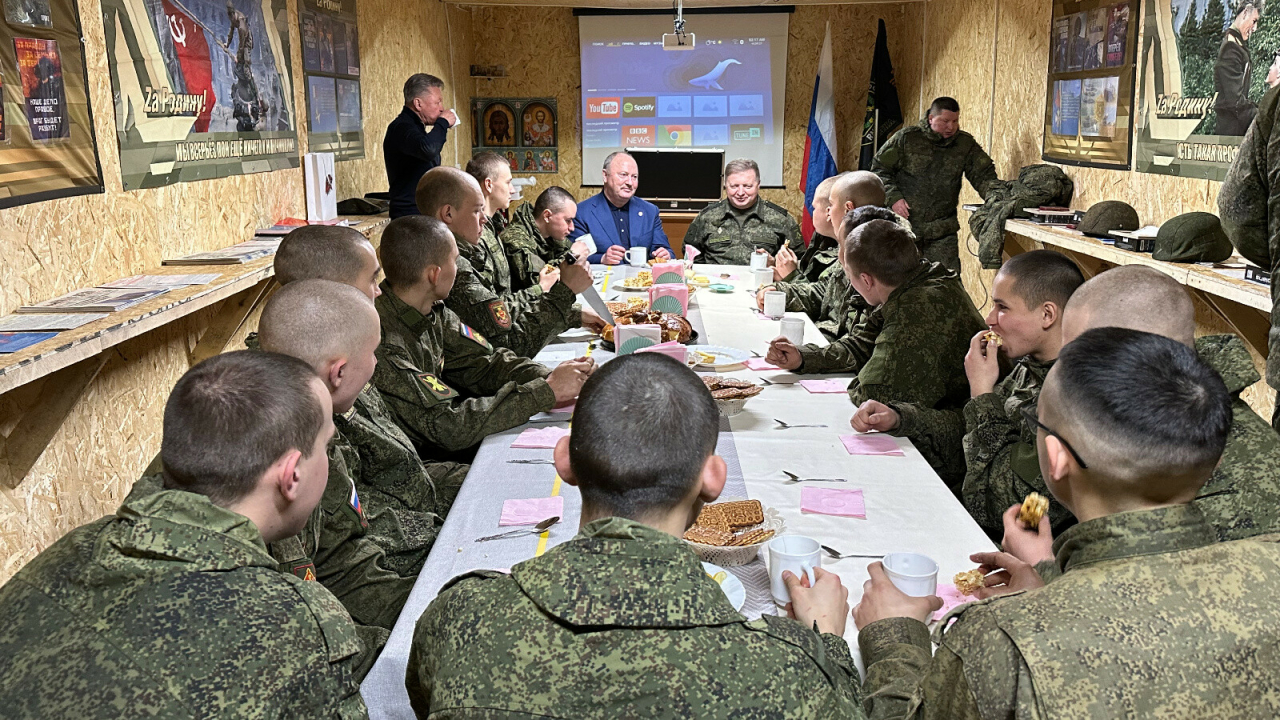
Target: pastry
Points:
x,y
1033,508
992,338
970,581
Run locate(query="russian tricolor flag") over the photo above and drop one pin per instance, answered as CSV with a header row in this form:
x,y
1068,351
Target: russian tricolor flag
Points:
x,y
820,144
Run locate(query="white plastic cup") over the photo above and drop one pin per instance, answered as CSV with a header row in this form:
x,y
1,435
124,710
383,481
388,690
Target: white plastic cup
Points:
x,y
912,573
796,553
763,277
775,304
637,256
759,260
792,328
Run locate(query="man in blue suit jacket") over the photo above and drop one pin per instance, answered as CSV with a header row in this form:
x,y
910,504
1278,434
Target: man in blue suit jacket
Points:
x,y
617,220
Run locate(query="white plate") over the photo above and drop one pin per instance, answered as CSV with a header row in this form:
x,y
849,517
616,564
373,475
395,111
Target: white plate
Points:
x,y
731,585
624,288
725,356
578,333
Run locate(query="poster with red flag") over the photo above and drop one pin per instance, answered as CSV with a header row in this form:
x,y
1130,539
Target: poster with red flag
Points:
x,y
193,57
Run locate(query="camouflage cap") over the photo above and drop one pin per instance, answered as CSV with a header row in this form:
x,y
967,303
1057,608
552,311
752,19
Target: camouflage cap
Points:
x,y
1106,216
1192,237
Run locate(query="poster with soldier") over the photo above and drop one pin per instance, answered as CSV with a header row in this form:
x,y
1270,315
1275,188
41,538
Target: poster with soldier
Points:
x,y
331,66
202,88
1206,64
47,147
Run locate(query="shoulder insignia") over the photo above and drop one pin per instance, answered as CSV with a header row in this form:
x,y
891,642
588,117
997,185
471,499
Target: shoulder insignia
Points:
x,y
306,572
471,333
501,316
436,387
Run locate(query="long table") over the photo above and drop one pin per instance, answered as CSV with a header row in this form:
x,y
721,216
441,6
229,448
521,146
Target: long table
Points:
x,y
908,507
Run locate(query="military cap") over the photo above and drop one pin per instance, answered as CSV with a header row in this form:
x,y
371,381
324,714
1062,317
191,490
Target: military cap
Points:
x,y
1192,237
1106,216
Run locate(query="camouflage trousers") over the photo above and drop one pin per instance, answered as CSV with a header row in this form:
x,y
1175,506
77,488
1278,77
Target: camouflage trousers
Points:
x,y
945,250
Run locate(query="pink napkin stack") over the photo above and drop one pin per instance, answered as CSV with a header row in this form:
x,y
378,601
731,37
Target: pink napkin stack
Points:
x,y
670,298
671,349
531,511
825,386
540,438
760,364
832,501
951,599
671,271
873,444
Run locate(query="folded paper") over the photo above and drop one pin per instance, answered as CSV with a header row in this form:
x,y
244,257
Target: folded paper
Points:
x,y
871,444
825,386
540,438
531,511
832,501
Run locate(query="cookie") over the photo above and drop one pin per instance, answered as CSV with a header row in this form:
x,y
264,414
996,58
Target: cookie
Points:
x,y
742,513
970,581
752,537
1033,508
992,339
708,536
711,516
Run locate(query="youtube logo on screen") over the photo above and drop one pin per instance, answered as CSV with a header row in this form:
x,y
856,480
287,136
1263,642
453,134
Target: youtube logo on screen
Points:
x,y
604,108
639,106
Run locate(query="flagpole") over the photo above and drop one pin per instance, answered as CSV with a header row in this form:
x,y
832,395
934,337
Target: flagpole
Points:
x,y
875,129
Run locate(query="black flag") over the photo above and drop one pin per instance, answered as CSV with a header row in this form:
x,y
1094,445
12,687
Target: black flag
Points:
x,y
882,96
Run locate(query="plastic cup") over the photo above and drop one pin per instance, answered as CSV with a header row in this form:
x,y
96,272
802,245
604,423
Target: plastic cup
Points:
x,y
912,573
775,304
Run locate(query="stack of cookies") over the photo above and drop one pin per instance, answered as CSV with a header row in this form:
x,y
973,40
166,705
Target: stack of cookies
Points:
x,y
729,524
723,388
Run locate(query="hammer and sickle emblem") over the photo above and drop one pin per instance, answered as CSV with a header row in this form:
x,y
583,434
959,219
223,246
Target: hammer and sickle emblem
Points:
x,y
178,30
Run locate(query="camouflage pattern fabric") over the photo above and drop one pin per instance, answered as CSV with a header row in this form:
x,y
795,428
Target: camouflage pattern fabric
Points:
x,y
822,253
620,622
445,385
172,608
1244,204
523,321
726,235
910,349
831,302
528,250
1130,629
926,169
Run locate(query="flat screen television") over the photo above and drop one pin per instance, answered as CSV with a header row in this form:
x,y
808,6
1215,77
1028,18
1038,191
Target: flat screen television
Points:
x,y
678,178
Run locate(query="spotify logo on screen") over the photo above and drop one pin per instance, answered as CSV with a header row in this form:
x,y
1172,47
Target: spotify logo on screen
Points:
x,y
639,106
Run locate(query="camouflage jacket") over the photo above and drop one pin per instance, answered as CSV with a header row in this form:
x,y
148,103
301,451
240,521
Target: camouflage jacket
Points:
x,y
926,169
909,349
624,623
523,321
1245,204
727,236
528,250
445,385
988,446
831,302
172,608
822,253
1130,629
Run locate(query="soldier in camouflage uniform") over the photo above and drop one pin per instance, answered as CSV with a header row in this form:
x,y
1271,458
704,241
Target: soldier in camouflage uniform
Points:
x,y
823,251
622,619
911,347
1242,497
538,236
922,167
988,443
446,386
1244,204
523,322
1130,629
173,607
728,231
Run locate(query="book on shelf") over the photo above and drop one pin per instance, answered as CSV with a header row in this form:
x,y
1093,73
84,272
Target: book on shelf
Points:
x,y
234,255
12,342
162,281
44,322
94,300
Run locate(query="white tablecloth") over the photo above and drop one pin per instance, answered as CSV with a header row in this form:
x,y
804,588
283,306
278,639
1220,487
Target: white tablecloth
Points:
x,y
908,507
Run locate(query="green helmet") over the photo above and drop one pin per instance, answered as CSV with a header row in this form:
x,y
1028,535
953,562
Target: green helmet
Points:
x,y
1192,237
1106,216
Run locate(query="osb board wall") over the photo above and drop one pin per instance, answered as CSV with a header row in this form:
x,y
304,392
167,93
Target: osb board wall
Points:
x,y
54,247
398,39
539,47
974,48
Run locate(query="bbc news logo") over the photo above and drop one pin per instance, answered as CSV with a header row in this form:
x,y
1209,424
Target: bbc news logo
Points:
x,y
638,135
603,108
639,106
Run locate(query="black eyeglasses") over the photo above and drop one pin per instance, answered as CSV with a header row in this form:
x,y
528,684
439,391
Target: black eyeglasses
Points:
x,y
1029,414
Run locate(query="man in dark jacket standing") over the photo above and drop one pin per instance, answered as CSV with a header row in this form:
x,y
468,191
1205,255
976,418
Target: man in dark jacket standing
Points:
x,y
414,140
1231,74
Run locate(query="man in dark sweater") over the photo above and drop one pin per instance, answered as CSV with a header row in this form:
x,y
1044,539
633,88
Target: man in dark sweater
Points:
x,y
414,139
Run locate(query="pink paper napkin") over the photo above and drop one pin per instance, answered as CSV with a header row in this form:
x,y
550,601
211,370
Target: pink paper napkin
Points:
x,y
871,444
825,386
540,438
564,408
761,364
832,501
531,511
951,598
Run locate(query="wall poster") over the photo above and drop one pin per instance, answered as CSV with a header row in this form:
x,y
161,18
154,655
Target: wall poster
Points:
x,y
1205,66
523,130
47,144
331,67
1092,51
202,88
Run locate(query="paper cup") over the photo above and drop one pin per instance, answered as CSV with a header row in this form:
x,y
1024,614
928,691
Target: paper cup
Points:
x,y
775,304
792,329
763,277
637,256
796,553
759,260
912,573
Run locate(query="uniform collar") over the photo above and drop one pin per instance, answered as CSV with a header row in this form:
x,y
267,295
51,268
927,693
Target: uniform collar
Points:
x,y
188,527
409,316
621,573
925,271
742,215
1133,534
1227,355
933,135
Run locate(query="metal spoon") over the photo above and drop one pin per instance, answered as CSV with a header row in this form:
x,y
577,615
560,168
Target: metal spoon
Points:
x,y
794,478
535,530
533,462
785,426
840,556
